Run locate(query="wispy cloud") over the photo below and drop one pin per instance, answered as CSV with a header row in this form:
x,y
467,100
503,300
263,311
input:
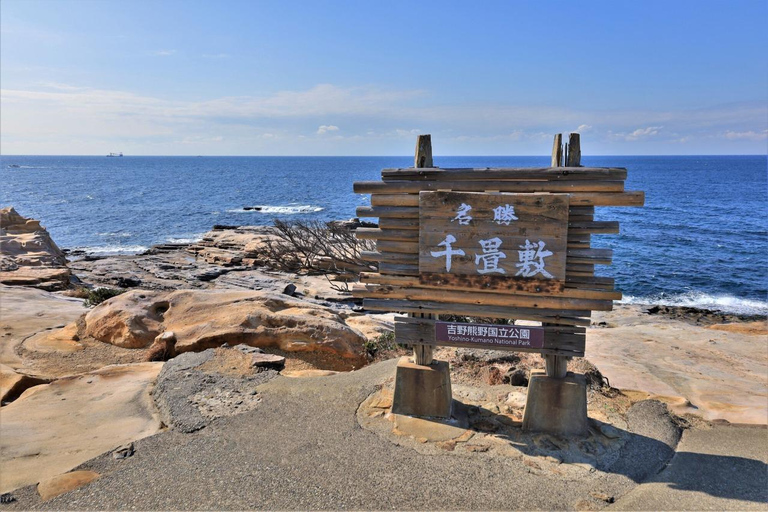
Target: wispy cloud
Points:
x,y
748,135
216,56
323,129
52,116
163,53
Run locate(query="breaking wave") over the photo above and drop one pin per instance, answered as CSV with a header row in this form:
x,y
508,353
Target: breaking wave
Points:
x,y
700,300
283,210
110,250
185,240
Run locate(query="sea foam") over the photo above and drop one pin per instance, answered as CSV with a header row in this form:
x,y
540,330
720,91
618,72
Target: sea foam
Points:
x,y
701,300
283,210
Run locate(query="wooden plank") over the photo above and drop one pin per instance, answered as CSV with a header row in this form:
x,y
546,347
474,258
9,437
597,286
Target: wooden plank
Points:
x,y
560,317
398,269
390,257
436,282
590,256
507,173
388,212
628,198
397,246
414,187
551,329
594,227
574,151
395,200
595,282
422,333
477,297
579,267
557,150
387,234
407,224
483,243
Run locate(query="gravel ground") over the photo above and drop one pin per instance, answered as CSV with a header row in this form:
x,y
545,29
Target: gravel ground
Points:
x,y
302,448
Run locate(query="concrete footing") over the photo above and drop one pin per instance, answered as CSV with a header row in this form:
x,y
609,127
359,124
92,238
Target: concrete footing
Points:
x,y
556,406
423,391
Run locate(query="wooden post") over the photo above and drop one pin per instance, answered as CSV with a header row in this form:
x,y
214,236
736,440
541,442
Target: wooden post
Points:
x,y
422,354
569,156
423,156
574,151
557,150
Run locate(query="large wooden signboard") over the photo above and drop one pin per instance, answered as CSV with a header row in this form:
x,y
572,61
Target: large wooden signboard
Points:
x,y
493,241
504,243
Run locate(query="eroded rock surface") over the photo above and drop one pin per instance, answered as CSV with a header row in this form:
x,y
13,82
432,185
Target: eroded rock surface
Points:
x,y
716,373
203,319
28,254
52,428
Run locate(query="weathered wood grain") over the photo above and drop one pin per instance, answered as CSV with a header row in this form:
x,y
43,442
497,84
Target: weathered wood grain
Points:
x,y
423,153
507,173
574,150
477,297
559,317
406,224
502,286
557,150
414,187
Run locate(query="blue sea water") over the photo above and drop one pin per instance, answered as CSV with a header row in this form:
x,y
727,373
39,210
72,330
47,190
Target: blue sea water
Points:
x,y
701,239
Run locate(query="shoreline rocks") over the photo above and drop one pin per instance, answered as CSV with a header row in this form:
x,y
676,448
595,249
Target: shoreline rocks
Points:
x,y
28,254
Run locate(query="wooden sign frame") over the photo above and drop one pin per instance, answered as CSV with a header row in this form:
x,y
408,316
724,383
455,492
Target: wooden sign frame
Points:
x,y
562,306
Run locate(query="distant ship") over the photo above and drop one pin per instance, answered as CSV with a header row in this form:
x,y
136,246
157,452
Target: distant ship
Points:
x,y
115,154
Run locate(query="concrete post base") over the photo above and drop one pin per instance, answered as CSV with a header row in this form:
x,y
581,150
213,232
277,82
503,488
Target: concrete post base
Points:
x,y
422,390
556,406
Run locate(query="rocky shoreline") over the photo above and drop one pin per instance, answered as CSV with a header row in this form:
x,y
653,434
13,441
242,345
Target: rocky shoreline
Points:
x,y
228,320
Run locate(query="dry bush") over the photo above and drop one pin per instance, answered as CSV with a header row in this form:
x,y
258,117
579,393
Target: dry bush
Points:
x,y
319,248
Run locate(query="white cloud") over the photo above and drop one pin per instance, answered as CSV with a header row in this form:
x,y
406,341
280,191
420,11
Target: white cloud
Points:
x,y
163,53
55,118
748,135
216,56
638,134
323,129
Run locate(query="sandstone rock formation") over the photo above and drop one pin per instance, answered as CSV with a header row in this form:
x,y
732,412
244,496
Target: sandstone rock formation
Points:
x,y
202,319
26,311
103,409
28,255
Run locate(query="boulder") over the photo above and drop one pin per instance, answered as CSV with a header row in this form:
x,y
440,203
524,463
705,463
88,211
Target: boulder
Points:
x,y
202,319
130,320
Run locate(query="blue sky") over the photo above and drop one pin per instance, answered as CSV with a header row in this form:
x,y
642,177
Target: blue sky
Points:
x,y
363,78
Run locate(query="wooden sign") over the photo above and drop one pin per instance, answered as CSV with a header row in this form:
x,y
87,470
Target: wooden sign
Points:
x,y
493,240
505,243
490,336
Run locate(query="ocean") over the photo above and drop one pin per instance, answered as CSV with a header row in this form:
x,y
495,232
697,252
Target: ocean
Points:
x,y
700,240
